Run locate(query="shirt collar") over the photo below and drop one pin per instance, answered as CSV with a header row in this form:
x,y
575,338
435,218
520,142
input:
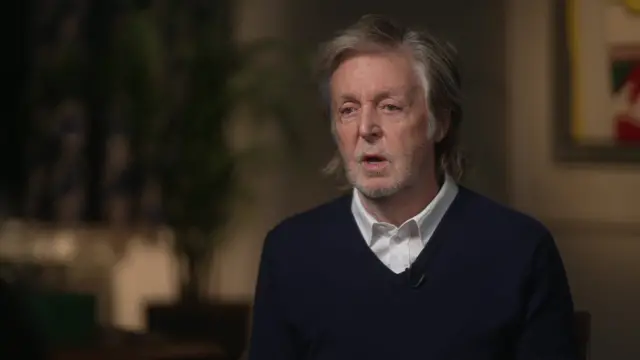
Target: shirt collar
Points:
x,y
426,220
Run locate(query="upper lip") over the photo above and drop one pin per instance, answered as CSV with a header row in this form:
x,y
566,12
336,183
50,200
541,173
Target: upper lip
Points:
x,y
367,157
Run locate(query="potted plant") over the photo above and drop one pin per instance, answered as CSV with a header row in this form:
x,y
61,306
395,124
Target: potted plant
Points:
x,y
177,74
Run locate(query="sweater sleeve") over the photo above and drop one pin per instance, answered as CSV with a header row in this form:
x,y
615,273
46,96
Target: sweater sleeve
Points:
x,y
272,337
547,331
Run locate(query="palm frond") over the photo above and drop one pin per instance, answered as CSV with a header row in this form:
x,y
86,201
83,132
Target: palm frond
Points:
x,y
183,86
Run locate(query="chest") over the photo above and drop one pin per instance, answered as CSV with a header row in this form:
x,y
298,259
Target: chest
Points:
x,y
456,308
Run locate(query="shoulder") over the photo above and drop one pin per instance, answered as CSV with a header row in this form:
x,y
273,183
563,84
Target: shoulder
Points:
x,y
513,239
501,221
316,218
309,223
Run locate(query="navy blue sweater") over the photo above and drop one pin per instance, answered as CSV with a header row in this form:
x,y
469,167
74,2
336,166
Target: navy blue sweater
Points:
x,y
490,284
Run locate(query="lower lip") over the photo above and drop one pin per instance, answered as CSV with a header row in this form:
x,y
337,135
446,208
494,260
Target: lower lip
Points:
x,y
374,166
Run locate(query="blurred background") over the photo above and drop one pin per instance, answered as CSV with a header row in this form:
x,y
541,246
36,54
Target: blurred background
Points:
x,y
149,145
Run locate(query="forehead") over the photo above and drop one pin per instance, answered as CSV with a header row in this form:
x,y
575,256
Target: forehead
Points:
x,y
366,73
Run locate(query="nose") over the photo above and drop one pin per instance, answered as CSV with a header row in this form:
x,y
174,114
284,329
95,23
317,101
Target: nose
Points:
x,y
369,127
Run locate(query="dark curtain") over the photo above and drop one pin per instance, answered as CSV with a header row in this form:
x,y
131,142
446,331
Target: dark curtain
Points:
x,y
13,125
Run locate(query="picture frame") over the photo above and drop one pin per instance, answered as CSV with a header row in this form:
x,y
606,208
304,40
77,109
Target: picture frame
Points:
x,y
583,98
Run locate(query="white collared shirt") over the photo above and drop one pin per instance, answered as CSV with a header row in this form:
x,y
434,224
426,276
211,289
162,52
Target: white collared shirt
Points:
x,y
398,247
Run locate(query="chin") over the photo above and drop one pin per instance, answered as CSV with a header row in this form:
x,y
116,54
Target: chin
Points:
x,y
375,185
377,188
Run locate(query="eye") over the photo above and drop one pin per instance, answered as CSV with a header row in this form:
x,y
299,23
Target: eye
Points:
x,y
347,110
391,108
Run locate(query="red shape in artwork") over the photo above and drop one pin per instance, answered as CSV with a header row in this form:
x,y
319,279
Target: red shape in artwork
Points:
x,y
628,123
627,129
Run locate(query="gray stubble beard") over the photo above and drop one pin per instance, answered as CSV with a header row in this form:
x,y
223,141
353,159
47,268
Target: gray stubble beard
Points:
x,y
373,193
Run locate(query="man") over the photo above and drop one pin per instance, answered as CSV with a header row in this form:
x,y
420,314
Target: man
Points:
x,y
410,265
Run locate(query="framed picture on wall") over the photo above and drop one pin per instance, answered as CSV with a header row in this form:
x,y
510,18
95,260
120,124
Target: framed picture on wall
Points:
x,y
597,72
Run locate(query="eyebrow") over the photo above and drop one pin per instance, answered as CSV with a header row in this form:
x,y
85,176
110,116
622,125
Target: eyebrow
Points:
x,y
386,93
348,98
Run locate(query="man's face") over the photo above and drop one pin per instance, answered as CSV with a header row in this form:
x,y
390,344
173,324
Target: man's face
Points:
x,y
381,123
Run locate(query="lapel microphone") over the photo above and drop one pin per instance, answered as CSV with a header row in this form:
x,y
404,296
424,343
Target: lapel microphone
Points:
x,y
413,282
420,281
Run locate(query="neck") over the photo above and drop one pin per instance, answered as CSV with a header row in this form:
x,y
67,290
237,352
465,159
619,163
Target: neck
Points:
x,y
403,205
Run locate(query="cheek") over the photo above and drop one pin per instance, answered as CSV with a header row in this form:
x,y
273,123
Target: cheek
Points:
x,y
410,140
346,138
410,149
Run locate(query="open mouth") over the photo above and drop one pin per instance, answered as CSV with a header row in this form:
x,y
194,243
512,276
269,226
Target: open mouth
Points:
x,y
373,159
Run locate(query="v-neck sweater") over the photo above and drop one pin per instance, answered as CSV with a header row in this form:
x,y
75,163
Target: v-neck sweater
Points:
x,y
490,284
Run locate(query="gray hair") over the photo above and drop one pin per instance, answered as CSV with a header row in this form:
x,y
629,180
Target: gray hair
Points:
x,y
434,62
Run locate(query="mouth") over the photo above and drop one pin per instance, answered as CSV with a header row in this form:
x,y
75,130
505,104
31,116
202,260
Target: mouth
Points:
x,y
373,159
374,162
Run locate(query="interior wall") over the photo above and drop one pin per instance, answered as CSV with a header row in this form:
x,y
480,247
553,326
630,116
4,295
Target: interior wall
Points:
x,y
235,263
593,209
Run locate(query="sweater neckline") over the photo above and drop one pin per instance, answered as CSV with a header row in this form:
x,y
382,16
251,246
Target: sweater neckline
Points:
x,y
417,276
